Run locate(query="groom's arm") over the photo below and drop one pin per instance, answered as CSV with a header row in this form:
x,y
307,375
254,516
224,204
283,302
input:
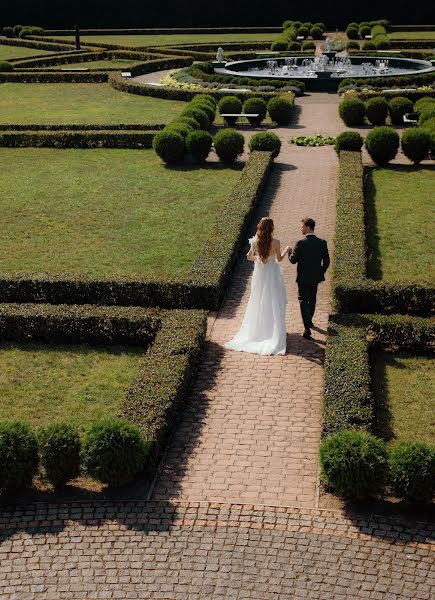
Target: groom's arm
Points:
x,y
294,256
326,261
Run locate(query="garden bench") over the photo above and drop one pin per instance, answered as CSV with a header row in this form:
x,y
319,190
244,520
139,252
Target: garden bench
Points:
x,y
125,74
74,69
411,118
231,118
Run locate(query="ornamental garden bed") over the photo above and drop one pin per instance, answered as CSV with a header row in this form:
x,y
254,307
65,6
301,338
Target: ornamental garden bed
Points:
x,y
398,200
167,40
80,103
8,52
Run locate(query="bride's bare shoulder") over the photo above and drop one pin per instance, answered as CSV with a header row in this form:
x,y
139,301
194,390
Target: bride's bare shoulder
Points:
x,y
275,241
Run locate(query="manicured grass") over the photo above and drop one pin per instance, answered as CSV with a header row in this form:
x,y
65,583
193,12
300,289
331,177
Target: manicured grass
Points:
x,y
404,388
105,212
7,52
41,384
412,35
80,103
117,63
400,227
170,40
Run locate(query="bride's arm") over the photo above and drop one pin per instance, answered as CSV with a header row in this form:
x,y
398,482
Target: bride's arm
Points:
x,y
280,256
251,254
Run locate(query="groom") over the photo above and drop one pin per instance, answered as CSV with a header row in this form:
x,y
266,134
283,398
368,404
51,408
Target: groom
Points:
x,y
312,257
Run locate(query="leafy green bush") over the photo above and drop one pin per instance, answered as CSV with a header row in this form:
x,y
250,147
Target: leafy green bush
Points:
x,y
307,24
17,29
412,471
6,66
198,143
352,33
280,109
287,24
230,104
255,106
304,31
423,103
382,43
229,145
398,106
265,141
352,111
321,26
308,46
352,45
353,25
316,33
377,110
198,114
382,144
178,126
8,32
169,145
18,455
114,451
25,31
279,45
59,449
348,140
426,113
193,123
378,30
354,464
364,30
295,46
368,46
416,144
206,106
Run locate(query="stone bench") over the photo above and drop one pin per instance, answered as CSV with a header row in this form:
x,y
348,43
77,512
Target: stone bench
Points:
x,y
74,69
411,118
231,118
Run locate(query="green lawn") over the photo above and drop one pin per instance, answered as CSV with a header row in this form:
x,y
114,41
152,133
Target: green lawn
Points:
x,y
117,63
400,227
404,388
80,103
7,52
105,212
170,40
412,35
41,384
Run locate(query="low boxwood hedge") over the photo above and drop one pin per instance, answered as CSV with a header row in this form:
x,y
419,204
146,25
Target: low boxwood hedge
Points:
x,y
352,290
77,139
81,126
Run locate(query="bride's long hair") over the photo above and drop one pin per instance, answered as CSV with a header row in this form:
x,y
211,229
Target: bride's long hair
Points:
x,y
264,238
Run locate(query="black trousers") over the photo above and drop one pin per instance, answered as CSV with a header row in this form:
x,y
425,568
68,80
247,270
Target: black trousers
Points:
x,y
307,294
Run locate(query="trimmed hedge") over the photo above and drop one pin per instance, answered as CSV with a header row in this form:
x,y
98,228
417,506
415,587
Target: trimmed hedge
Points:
x,y
77,139
18,455
348,140
412,471
54,77
265,141
59,449
382,143
393,81
352,111
81,126
352,290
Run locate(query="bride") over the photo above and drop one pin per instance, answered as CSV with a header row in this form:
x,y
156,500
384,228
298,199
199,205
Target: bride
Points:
x,y
263,328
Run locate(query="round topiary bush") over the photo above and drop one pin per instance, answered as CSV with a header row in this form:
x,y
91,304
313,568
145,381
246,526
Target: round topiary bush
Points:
x,y
193,123
229,145
304,31
354,464
352,33
8,32
416,144
369,46
307,24
353,25
17,29
280,109
308,46
423,102
364,30
398,107
198,143
265,141
279,45
59,449
382,43
255,106
295,46
412,471
382,144
18,455
198,114
287,24
352,46
352,111
230,104
426,113
169,145
114,451
348,140
316,33
182,128
377,110
6,66
25,32
204,105
321,26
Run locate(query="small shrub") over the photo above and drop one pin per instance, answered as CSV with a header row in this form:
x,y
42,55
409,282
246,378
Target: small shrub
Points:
x,y
353,25
378,31
321,26
253,106
416,144
279,45
369,46
307,24
169,145
114,451
280,110
316,33
265,141
352,45
304,31
287,24
17,29
426,113
18,455
352,33
423,102
59,448
348,140
364,30
352,111
412,471
295,46
382,43
6,66
398,107
193,123
354,463
230,104
229,145
198,143
382,144
377,110
204,105
25,31
289,35
308,46
8,32
182,128
198,114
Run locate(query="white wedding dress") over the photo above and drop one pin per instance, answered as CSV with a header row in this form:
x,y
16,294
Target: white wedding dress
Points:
x,y
263,328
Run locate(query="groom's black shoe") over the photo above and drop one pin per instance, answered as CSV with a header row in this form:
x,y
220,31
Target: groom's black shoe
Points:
x,y
307,334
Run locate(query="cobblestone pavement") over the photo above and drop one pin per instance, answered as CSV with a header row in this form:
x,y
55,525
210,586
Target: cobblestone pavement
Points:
x,y
201,551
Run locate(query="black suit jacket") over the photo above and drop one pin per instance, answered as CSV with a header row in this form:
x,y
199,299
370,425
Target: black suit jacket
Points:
x,y
312,257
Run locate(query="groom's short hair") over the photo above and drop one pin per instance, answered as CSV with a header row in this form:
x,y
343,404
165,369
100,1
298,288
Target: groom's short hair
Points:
x,y
308,222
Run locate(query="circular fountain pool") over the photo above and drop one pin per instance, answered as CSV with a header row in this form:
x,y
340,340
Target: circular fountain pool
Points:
x,y
326,71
